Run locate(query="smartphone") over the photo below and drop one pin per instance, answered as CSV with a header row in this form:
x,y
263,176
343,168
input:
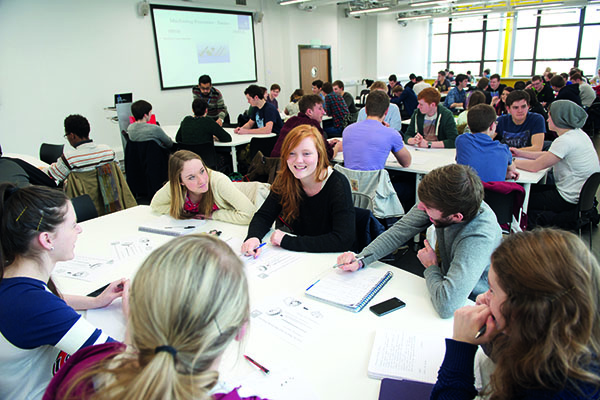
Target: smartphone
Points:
x,y
387,306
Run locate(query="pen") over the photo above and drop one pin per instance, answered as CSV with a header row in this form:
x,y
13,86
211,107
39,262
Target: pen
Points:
x,y
312,285
259,246
182,227
263,369
481,332
356,259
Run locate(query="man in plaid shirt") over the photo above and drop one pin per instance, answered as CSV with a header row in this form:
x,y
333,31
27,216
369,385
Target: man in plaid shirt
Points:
x,y
336,108
217,109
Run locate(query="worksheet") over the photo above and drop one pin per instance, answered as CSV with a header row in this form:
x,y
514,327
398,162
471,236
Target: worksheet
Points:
x,y
270,260
89,269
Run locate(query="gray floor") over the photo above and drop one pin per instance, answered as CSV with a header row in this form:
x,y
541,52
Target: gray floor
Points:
x,y
407,259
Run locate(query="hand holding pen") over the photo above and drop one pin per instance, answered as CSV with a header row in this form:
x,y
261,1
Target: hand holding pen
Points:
x,y
349,262
474,324
251,247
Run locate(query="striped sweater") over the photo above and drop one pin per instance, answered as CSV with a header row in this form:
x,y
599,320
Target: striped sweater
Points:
x,y
86,156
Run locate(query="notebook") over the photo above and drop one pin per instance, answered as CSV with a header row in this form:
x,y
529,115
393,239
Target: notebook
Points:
x,y
349,290
392,389
406,355
166,225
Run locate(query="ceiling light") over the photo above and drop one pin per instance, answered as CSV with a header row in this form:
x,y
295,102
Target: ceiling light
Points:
x,y
286,2
429,3
417,17
540,6
368,10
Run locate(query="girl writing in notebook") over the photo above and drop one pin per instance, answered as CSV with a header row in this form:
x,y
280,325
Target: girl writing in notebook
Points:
x,y
188,301
541,319
194,191
309,198
38,326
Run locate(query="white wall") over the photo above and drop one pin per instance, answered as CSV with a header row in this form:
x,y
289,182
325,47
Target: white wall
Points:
x,y
63,57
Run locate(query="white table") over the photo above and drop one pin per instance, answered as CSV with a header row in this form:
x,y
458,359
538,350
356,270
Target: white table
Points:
x,y
36,162
334,365
236,140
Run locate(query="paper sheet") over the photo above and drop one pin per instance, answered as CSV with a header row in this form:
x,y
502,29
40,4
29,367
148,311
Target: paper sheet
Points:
x,y
270,260
406,355
84,268
123,249
110,319
289,318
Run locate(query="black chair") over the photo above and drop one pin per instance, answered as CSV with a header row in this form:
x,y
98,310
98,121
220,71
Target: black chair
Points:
x,y
587,213
49,153
501,204
264,145
592,124
146,168
206,151
84,208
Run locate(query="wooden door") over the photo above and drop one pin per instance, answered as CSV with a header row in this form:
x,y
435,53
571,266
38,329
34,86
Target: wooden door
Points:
x,y
314,64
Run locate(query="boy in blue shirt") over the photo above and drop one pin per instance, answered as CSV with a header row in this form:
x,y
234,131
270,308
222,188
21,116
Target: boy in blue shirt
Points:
x,y
491,159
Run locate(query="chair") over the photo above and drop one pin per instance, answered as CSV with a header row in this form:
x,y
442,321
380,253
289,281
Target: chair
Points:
x,y
587,212
84,208
373,191
49,153
264,145
367,229
506,200
105,185
146,166
592,124
263,169
363,96
206,151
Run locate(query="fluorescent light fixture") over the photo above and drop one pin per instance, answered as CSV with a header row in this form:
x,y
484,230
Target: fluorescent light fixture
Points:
x,y
417,17
540,6
429,3
474,13
286,2
369,10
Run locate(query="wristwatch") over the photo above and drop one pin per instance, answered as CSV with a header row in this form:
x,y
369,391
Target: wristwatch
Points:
x,y
428,145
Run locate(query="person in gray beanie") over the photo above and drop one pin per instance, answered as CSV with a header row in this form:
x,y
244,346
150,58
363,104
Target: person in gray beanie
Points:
x,y
572,157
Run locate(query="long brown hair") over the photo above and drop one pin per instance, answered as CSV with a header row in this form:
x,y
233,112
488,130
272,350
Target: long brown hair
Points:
x,y
286,185
552,283
190,294
178,190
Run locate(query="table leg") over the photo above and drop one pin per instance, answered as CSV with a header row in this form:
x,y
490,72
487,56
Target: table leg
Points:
x,y
234,159
418,179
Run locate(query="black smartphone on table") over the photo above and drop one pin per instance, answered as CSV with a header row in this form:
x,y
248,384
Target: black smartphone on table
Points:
x,y
387,306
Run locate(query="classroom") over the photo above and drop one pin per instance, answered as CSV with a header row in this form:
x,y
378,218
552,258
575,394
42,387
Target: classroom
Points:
x,y
66,57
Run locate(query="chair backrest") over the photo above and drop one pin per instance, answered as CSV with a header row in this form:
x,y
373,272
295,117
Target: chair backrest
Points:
x,y
206,151
49,153
84,208
373,190
146,166
588,192
502,205
264,145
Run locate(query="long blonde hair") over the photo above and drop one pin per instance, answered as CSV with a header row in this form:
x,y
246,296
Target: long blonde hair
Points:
x,y
190,294
286,185
178,191
552,283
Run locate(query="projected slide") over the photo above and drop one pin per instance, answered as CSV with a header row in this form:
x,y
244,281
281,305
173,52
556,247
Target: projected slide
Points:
x,y
191,42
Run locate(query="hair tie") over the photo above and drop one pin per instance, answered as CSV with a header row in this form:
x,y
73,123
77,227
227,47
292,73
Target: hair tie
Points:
x,y
168,349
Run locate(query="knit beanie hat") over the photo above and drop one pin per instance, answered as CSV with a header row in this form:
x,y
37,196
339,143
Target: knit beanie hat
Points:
x,y
567,115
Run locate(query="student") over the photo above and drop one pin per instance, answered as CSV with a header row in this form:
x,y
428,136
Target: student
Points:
x,y
572,157
491,159
457,97
200,129
542,323
271,98
432,124
521,128
292,108
141,130
405,99
442,84
316,88
564,91
338,88
477,97
543,91
194,191
311,199
451,198
499,103
392,118
189,301
336,108
392,82
85,155
264,118
217,110
495,88
38,326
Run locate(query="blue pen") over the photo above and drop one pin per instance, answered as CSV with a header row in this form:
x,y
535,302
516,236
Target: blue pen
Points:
x,y
259,246
312,285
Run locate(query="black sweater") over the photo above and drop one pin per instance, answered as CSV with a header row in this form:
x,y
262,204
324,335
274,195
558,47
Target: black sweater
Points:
x,y
325,222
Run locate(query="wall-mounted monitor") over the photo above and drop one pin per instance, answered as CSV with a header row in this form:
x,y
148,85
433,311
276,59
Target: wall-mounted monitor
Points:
x,y
193,41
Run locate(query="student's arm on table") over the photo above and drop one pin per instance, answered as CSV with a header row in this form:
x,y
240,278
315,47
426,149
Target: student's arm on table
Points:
x,y
403,156
545,159
244,128
537,143
260,224
264,130
112,292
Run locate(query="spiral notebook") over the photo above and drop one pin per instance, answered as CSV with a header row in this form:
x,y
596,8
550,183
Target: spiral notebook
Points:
x,y
349,290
